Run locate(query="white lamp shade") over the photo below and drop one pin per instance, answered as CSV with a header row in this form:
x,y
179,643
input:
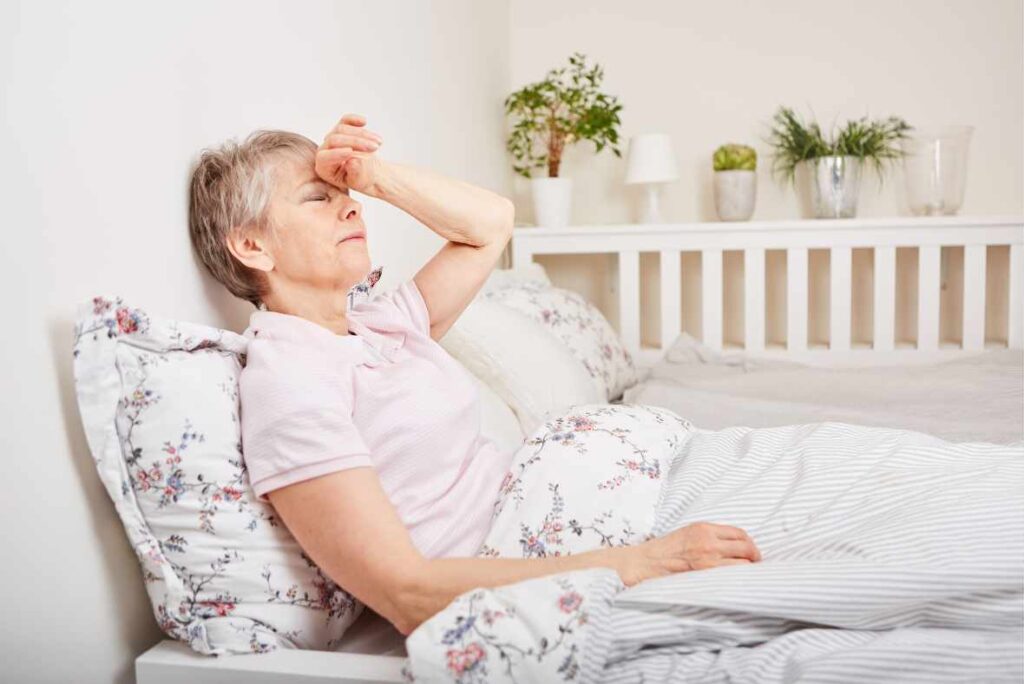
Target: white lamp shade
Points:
x,y
651,159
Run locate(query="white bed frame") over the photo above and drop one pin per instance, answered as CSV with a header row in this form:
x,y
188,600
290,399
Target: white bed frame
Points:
x,y
356,662
170,662
927,234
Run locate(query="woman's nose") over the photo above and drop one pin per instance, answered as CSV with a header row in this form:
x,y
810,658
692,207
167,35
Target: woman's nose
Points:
x,y
350,210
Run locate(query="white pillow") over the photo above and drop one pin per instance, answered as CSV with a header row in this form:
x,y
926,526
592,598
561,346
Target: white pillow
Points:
x,y
498,421
582,329
520,360
504,278
159,403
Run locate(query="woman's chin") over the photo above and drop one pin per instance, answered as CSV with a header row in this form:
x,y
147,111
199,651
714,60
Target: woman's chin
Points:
x,y
358,261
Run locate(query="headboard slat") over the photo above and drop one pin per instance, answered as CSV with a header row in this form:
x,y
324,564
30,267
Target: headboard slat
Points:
x,y
840,298
796,299
928,235
671,297
974,297
1015,334
753,299
928,284
629,298
884,335
711,298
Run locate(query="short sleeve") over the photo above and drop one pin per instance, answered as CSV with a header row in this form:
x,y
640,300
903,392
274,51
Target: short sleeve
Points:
x,y
296,414
405,301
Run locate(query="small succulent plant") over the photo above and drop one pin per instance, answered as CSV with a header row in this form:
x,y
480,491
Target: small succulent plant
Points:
x,y
734,157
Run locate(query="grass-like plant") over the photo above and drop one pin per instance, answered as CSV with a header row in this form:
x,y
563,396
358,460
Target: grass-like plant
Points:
x,y
565,108
794,140
733,157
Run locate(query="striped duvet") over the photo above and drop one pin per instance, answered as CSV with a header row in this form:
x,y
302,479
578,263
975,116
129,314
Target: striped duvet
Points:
x,y
887,556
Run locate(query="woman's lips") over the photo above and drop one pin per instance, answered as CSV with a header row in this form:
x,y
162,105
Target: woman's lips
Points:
x,y
355,236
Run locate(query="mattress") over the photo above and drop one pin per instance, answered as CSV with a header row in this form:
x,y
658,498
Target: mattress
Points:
x,y
977,398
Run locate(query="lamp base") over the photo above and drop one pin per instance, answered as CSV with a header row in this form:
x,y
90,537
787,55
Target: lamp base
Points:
x,y
651,212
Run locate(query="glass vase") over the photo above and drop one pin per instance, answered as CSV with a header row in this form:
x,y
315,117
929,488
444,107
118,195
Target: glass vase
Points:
x,y
935,164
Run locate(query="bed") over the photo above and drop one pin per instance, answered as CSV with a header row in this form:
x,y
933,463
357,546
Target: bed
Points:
x,y
970,390
976,398
961,382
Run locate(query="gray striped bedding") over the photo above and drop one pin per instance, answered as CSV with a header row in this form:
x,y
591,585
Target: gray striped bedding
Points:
x,y
888,555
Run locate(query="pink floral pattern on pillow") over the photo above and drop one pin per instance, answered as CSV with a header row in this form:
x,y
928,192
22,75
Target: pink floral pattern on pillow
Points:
x,y
581,327
590,478
159,403
530,631
584,480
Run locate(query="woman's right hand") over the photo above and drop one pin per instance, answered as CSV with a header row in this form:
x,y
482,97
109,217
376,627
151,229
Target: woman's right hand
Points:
x,y
346,158
698,546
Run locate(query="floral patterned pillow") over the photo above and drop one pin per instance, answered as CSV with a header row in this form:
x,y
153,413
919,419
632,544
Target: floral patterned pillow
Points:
x,y
532,631
159,402
580,326
588,478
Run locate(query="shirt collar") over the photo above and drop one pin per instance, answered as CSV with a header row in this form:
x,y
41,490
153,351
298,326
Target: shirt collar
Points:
x,y
298,329
363,290
386,344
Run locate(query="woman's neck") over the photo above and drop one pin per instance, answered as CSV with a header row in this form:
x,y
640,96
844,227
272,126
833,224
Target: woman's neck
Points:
x,y
327,309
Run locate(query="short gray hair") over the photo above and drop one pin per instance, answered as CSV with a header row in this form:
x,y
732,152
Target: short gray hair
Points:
x,y
230,191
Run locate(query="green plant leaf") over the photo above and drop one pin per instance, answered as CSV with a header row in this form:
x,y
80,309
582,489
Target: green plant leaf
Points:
x,y
565,108
794,141
734,157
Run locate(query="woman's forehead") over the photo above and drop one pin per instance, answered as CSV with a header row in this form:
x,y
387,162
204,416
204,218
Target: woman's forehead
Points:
x,y
293,171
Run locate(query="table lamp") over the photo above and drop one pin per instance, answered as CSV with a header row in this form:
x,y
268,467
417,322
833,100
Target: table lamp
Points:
x,y
651,162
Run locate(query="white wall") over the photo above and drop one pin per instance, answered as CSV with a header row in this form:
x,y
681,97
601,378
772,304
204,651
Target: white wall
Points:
x,y
104,106
714,72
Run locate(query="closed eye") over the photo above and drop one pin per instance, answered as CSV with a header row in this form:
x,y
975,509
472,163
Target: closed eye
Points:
x,y
316,198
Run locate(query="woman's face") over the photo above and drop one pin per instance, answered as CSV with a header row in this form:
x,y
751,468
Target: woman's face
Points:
x,y
319,239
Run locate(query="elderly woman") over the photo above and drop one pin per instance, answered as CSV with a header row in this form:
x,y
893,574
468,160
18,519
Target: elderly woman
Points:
x,y
357,426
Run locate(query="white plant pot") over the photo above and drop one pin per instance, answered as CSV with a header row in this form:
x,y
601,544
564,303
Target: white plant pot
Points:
x,y
735,192
552,201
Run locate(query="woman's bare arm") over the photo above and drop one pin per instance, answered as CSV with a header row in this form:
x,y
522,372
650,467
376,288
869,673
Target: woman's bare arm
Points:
x,y
347,525
476,222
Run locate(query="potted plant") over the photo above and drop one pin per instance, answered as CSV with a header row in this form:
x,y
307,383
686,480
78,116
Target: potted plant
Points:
x,y
830,166
735,181
547,116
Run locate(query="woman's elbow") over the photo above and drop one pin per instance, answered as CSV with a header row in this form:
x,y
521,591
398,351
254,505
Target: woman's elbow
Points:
x,y
504,218
508,214
407,626
409,600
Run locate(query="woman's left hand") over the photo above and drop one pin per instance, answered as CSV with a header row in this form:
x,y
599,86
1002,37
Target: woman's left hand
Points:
x,y
346,158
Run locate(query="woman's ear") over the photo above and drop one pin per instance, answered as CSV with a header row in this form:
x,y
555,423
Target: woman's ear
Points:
x,y
250,249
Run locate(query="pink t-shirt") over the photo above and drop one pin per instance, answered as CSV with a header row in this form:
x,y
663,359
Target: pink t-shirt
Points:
x,y
387,396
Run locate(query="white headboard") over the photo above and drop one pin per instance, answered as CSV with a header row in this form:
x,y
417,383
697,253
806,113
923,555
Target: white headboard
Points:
x,y
926,234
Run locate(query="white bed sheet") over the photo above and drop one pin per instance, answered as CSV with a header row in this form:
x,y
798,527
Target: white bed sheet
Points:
x,y
979,398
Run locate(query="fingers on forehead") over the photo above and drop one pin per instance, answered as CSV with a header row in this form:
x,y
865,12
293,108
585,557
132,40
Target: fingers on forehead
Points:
x,y
336,153
348,129
354,119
